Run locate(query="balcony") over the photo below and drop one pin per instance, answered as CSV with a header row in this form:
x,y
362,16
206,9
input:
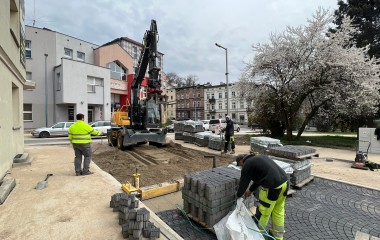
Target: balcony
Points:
x,y
212,111
211,100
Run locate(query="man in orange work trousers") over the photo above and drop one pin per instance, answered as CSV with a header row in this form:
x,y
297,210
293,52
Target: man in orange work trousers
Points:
x,y
273,182
80,136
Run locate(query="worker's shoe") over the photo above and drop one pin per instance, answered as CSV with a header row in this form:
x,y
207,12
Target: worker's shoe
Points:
x,y
224,152
78,173
233,152
87,173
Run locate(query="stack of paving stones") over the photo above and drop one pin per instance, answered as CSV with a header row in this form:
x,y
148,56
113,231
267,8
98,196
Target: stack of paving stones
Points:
x,y
301,169
135,222
209,195
291,151
215,142
178,130
188,137
262,144
193,126
202,138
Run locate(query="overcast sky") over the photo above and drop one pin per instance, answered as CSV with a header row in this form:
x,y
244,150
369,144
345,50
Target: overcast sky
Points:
x,y
188,29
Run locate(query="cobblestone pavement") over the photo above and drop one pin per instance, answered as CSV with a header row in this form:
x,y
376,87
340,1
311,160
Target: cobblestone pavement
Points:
x,y
323,209
326,209
181,225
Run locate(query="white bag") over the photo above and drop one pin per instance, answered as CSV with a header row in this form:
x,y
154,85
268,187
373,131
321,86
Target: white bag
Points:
x,y
238,225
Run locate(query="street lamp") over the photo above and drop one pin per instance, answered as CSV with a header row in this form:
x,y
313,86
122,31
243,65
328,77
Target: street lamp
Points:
x,y
195,102
228,104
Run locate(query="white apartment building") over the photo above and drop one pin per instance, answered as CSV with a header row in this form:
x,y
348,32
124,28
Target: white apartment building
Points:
x,y
67,81
216,103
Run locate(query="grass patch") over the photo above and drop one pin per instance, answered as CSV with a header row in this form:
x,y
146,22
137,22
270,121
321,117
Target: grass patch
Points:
x,y
339,142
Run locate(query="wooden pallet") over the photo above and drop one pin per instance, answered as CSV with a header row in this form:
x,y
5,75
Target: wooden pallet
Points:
x,y
304,182
291,192
203,224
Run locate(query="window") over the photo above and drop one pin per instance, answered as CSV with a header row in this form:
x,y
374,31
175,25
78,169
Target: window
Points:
x,y
28,76
58,82
226,105
208,96
134,52
80,56
220,105
118,72
233,94
193,95
28,49
28,116
241,104
171,97
199,94
68,53
226,94
92,82
233,116
159,61
233,105
208,106
198,104
220,95
212,95
194,104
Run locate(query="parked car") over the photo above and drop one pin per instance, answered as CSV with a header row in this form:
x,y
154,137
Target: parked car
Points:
x,y
101,126
58,129
216,124
170,128
206,125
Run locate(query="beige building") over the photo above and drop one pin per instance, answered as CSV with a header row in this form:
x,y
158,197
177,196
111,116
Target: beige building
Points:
x,y
169,112
12,82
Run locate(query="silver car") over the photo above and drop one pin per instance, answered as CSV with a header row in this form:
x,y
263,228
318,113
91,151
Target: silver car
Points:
x,y
58,129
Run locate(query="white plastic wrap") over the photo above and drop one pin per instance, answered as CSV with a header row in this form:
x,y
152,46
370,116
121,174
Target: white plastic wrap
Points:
x,y
238,225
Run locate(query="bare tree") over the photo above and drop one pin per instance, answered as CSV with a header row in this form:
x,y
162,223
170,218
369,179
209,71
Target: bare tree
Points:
x,y
191,80
306,66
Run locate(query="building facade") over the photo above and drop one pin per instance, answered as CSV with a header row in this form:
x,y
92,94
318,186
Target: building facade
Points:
x,y
120,63
67,80
170,108
215,102
12,82
190,103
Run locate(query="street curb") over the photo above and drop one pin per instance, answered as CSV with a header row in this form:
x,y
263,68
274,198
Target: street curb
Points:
x,y
7,185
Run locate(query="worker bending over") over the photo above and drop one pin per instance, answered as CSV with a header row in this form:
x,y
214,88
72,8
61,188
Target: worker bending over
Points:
x,y
264,172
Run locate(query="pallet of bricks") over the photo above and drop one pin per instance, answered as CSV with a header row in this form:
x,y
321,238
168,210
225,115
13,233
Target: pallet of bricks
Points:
x,y
178,130
133,220
301,166
216,142
209,195
202,138
190,129
262,144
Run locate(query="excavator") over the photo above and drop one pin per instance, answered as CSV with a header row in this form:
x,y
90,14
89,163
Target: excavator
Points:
x,y
139,120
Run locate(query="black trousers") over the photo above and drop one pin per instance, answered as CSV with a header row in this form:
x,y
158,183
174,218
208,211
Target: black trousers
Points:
x,y
227,140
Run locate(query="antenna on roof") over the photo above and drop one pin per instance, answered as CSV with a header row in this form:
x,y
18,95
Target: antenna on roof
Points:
x,y
34,13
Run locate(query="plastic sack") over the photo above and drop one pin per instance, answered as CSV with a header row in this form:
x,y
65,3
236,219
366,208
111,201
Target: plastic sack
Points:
x,y
238,225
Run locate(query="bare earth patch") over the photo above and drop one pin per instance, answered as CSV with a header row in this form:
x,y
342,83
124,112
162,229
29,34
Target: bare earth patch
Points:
x,y
156,165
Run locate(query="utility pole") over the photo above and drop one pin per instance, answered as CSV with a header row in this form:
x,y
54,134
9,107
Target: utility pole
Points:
x,y
46,92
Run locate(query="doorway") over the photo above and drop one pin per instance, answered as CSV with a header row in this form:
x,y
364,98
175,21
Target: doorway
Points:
x,y
90,115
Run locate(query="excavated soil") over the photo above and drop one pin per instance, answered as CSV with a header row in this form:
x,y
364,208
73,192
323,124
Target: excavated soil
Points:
x,y
155,164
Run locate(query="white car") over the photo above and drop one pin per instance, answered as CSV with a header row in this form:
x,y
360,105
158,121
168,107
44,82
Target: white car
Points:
x,y
206,125
58,129
216,124
101,126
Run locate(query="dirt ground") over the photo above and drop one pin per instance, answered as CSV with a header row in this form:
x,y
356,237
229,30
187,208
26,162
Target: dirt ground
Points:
x,y
156,165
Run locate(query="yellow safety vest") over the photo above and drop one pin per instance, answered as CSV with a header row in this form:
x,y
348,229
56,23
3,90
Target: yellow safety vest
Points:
x,y
80,132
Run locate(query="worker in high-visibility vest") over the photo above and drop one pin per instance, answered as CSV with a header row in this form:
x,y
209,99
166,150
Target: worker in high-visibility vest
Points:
x,y
80,136
273,182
